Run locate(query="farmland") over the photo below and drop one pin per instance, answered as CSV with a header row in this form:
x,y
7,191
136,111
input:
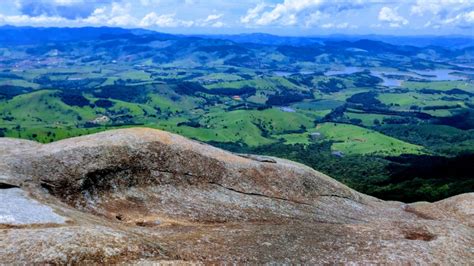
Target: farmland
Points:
x,y
372,115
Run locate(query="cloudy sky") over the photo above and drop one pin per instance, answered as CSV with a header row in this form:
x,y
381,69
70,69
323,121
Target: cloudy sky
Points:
x,y
284,17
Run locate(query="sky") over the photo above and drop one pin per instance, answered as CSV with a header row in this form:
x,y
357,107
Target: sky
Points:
x,y
282,17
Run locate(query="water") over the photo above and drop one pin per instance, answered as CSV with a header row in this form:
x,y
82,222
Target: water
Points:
x,y
282,73
464,65
391,82
438,74
432,75
287,74
344,71
287,109
387,82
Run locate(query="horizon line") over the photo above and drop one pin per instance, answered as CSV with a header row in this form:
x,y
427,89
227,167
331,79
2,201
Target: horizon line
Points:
x,y
247,33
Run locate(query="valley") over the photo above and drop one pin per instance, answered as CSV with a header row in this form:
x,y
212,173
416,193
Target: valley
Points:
x,y
365,112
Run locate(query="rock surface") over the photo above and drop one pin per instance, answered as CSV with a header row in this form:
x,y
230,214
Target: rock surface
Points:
x,y
141,196
17,209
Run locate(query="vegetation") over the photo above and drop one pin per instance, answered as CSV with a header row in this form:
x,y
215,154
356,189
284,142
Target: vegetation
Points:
x,y
395,142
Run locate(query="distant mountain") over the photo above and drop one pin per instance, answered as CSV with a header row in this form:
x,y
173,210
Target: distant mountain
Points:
x,y
32,35
457,42
450,42
267,39
258,51
11,35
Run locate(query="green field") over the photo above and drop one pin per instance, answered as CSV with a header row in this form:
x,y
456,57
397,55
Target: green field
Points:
x,y
351,139
354,140
270,99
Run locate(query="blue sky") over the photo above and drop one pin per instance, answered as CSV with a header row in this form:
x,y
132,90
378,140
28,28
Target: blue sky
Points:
x,y
283,17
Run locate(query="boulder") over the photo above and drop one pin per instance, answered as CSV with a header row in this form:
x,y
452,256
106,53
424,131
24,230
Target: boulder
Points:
x,y
141,196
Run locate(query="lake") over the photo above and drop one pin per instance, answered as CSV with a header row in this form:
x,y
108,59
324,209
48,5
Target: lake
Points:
x,y
343,71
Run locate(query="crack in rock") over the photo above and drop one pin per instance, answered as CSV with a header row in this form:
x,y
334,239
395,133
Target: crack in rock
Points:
x,y
7,186
259,195
258,158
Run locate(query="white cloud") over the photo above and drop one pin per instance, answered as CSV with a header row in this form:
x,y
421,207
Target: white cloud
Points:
x,y
391,16
437,7
27,20
68,2
299,12
461,19
218,24
164,21
253,13
148,3
116,15
286,12
212,20
121,13
458,13
152,19
315,18
271,15
344,25
213,17
469,17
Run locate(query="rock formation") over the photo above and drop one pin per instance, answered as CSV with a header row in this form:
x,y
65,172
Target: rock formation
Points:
x,y
143,196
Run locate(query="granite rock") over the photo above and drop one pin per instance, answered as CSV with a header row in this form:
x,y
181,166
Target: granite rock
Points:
x,y
140,196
